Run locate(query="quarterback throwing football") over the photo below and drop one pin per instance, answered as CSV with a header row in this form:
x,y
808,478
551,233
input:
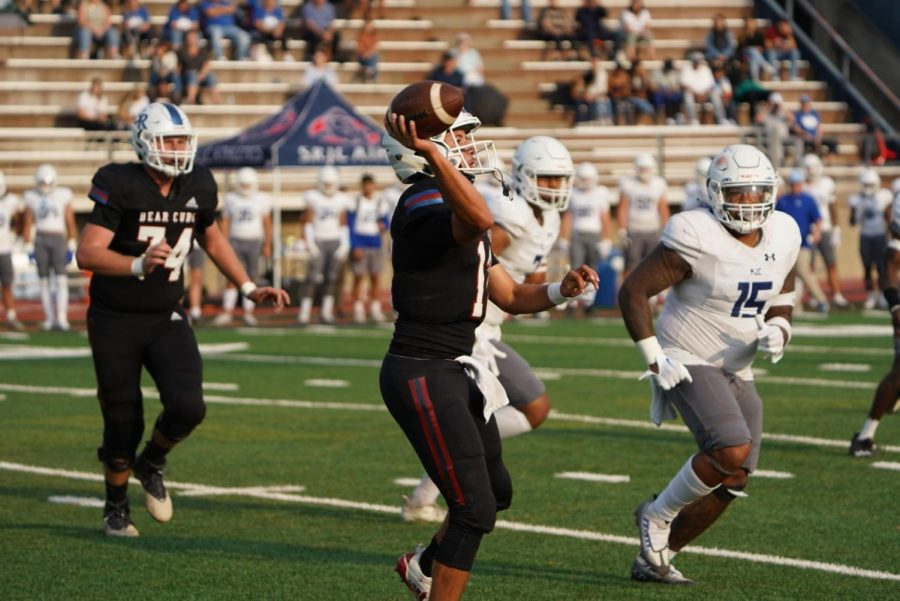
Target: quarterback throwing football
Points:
x,y
731,268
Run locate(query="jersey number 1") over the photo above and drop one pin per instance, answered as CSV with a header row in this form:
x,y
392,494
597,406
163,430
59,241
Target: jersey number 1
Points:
x,y
175,261
480,281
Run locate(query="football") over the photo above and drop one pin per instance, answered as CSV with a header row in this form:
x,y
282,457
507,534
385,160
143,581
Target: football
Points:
x,y
433,105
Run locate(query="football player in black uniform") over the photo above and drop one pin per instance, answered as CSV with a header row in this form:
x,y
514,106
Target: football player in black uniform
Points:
x,y
145,218
443,400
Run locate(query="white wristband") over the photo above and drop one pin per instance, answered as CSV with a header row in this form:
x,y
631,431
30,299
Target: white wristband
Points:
x,y
782,323
247,288
649,348
137,267
554,294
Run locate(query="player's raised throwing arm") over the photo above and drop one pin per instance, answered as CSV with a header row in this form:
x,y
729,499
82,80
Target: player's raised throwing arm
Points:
x,y
471,216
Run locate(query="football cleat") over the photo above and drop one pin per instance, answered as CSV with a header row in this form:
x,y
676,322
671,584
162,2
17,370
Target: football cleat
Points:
x,y
411,575
839,301
62,326
15,324
117,520
223,319
250,320
654,537
642,572
158,501
47,325
862,447
429,512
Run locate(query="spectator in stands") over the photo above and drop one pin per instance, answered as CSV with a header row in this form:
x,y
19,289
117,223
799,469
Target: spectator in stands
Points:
x,y
92,110
468,61
666,94
525,11
753,44
722,96
557,28
446,71
183,17
95,27
636,21
137,30
165,82
808,127
134,101
269,25
319,28
619,92
640,91
781,46
590,93
367,47
774,125
591,30
319,69
697,82
749,90
720,44
196,70
220,19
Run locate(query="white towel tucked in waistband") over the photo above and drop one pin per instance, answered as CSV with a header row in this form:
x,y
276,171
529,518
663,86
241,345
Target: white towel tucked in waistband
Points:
x,y
490,387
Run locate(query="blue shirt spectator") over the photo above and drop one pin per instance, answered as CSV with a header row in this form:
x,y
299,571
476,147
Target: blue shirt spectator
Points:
x,y
802,207
183,17
220,23
318,27
446,71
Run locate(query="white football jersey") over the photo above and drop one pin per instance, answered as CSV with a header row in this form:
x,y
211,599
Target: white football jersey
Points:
x,y
489,192
9,206
895,215
368,212
709,318
870,212
48,210
390,196
529,244
695,195
245,214
586,206
643,202
823,191
327,211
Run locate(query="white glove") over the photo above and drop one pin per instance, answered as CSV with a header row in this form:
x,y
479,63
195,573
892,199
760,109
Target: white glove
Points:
x,y
624,240
309,236
342,251
770,340
835,236
485,352
671,372
313,249
604,247
563,245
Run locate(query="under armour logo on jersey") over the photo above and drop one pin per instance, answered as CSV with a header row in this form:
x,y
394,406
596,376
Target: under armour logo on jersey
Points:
x,y
191,204
770,256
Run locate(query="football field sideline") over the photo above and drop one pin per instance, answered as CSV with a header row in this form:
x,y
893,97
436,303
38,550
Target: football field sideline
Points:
x,y
378,407
261,492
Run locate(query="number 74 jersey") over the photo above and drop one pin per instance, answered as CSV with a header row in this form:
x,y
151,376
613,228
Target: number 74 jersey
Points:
x,y
709,318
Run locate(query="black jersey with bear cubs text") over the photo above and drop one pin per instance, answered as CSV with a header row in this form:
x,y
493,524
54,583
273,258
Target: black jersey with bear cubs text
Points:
x,y
439,288
128,202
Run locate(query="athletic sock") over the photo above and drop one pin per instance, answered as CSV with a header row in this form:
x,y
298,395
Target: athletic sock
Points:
x,y
195,313
62,299
328,307
685,488
425,493
229,299
511,422
11,315
305,310
869,428
45,299
116,494
154,453
427,557
248,305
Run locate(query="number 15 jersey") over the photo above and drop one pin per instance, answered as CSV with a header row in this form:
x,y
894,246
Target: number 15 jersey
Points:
x,y
128,202
709,318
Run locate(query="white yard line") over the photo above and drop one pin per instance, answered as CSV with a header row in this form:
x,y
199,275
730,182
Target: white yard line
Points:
x,y
407,481
887,465
772,474
262,493
591,477
21,352
378,407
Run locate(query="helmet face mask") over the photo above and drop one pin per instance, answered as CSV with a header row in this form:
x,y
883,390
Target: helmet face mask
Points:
x,y
742,188
45,178
535,160
645,167
164,140
467,154
328,180
247,181
869,181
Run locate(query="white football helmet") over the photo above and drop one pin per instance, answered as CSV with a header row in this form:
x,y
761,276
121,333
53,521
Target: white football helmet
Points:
x,y
585,176
645,166
407,165
812,164
328,180
869,181
45,178
246,180
483,153
153,125
701,167
739,170
543,156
